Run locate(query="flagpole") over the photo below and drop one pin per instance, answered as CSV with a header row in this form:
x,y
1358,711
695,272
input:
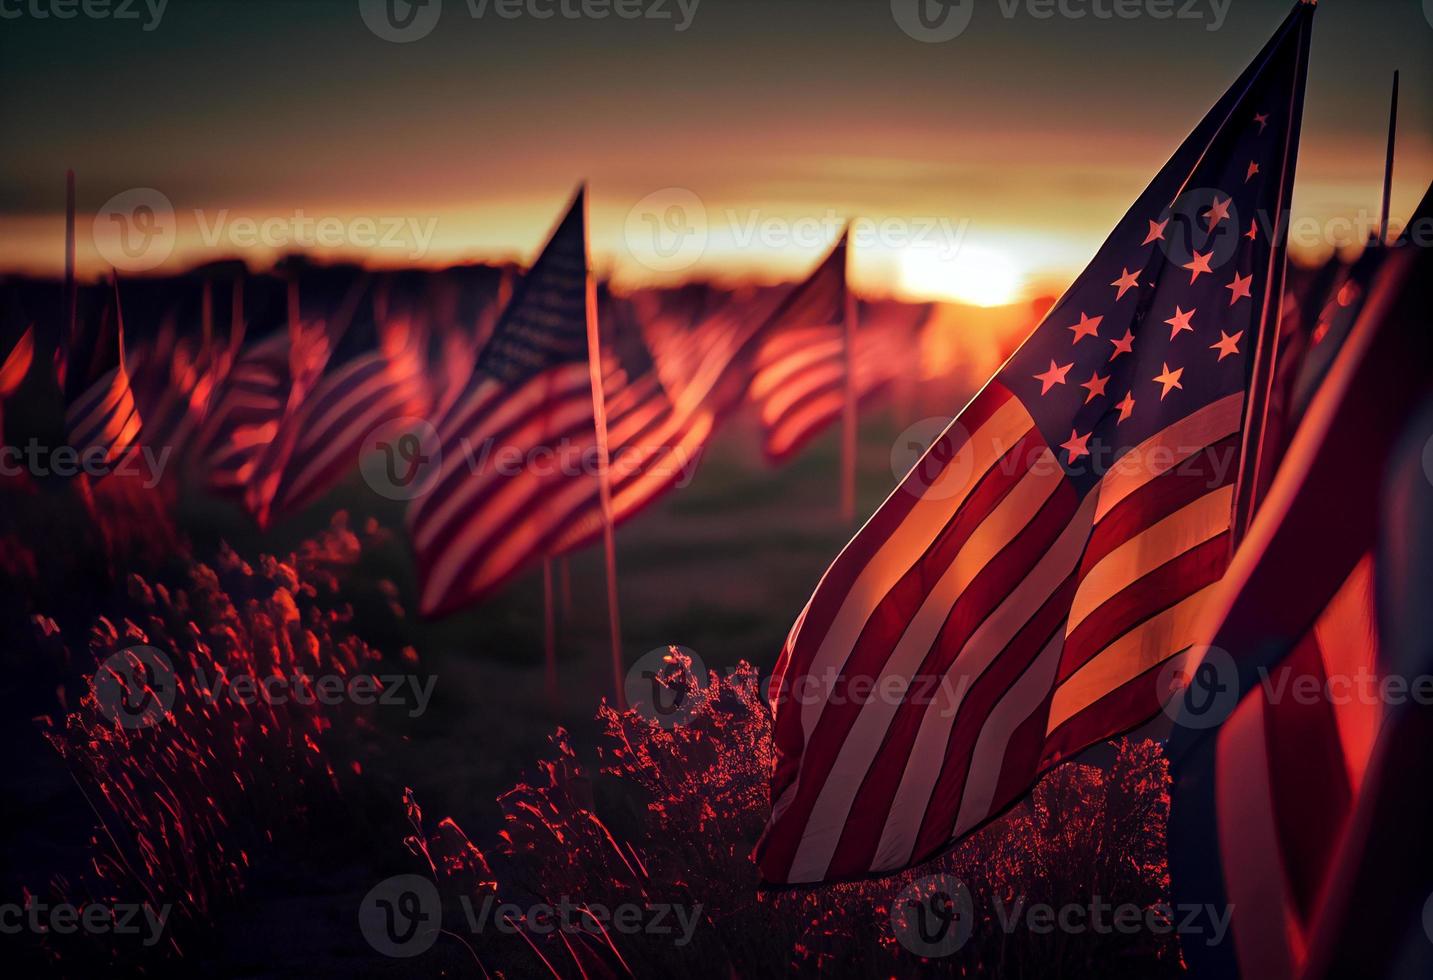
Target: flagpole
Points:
x,y
71,292
206,313
848,407
604,483
565,584
1384,236
1255,468
549,635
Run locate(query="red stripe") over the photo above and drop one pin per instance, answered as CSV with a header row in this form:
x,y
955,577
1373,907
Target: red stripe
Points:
x,y
1310,814
1168,585
879,636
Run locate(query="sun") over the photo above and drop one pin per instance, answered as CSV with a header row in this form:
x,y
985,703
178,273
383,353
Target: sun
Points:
x,y
968,274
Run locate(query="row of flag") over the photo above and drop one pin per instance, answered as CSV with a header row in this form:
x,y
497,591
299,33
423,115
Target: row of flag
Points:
x,y
1191,453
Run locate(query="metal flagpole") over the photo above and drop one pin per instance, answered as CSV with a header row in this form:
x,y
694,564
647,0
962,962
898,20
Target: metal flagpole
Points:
x,y
604,482
848,407
1383,233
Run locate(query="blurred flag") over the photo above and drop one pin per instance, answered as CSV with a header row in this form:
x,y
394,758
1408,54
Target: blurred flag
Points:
x,y
100,413
479,516
172,378
375,377
1268,777
245,416
801,372
1023,588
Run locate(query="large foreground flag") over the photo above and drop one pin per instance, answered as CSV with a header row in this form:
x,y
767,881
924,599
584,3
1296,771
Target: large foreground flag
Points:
x,y
1278,748
1018,596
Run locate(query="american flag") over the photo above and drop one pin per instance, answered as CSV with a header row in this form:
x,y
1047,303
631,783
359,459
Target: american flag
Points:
x,y
245,416
1268,780
801,372
375,377
477,522
100,413
1017,596
172,379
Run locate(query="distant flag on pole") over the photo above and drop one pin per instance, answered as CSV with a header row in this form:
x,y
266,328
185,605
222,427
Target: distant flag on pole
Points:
x,y
801,372
101,418
375,377
1027,584
473,525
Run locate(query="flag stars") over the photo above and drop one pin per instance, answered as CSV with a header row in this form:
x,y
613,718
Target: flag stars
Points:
x,y
1262,118
1156,231
1077,445
1218,212
1126,407
1095,386
1253,169
1240,288
1123,345
1226,344
1180,321
1127,281
1089,326
1253,233
1054,376
1198,265
1169,379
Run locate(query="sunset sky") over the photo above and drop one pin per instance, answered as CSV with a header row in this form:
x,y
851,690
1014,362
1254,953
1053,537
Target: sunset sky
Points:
x,y
989,166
